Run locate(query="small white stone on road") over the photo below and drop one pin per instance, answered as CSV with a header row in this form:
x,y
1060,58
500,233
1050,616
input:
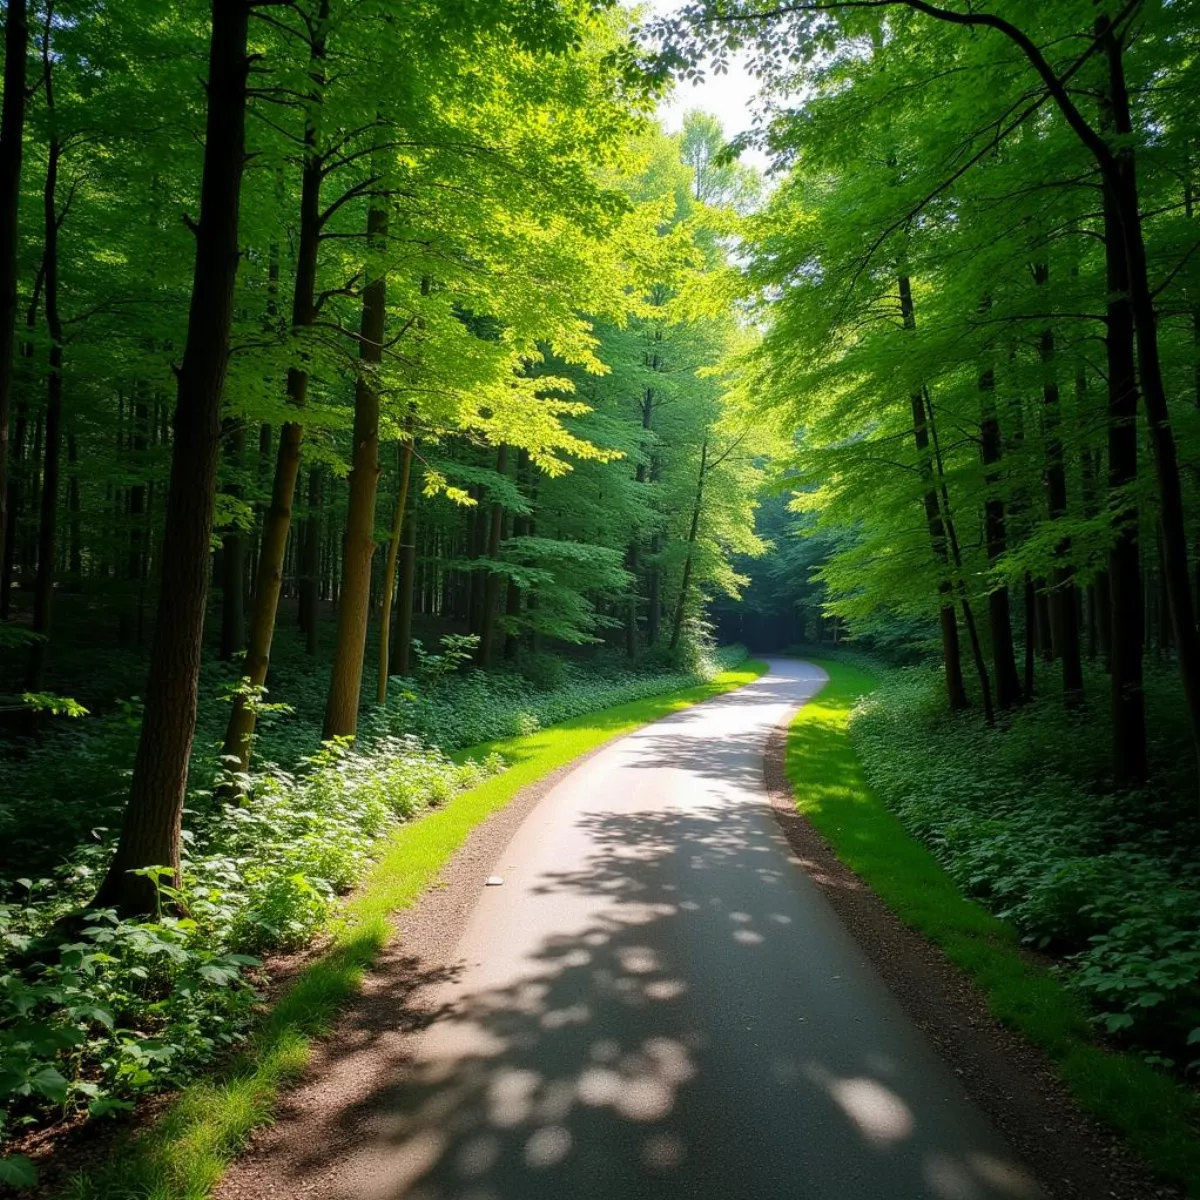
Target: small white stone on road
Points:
x,y
494,881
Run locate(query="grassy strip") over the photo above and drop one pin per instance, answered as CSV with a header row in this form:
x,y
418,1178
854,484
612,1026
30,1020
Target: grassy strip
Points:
x,y
184,1156
1158,1117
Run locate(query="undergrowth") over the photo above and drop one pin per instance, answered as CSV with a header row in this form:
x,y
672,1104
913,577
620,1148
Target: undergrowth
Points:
x,y
1024,818
184,1155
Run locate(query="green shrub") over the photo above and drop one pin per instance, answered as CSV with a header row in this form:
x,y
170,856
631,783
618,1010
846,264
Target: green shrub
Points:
x,y
122,1007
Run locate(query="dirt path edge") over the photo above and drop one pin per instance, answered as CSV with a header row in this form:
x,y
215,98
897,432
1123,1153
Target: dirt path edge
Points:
x,y
1011,1081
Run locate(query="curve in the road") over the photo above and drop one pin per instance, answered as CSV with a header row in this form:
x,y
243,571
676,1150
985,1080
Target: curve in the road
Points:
x,y
659,1003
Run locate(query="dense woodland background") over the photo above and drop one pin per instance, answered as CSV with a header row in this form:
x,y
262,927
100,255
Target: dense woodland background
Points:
x,y
379,380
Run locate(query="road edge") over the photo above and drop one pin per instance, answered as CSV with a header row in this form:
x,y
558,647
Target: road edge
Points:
x,y
1011,1081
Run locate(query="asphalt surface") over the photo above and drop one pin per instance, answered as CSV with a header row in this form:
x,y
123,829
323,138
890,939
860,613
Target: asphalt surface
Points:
x,y
657,1002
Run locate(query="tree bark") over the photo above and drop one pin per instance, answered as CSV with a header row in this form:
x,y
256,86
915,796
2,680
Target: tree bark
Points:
x,y
150,834
43,588
12,135
277,521
1008,683
345,684
404,457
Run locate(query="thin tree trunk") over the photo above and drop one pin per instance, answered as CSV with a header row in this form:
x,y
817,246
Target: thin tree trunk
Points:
x,y
1125,633
1008,683
150,835
233,554
404,457
1031,634
963,600
693,529
1063,605
345,684
951,651
512,605
311,583
277,521
491,588
43,591
401,648
12,136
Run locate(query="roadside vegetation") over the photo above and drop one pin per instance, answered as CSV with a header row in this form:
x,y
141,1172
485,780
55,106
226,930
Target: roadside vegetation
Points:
x,y
186,1153
903,843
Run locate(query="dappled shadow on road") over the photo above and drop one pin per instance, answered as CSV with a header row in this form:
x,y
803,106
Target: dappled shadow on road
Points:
x,y
698,1037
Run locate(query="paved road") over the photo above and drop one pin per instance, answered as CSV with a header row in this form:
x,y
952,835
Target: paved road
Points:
x,y
658,1003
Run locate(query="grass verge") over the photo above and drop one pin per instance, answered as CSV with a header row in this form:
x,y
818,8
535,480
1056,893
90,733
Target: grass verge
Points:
x,y
185,1154
1158,1117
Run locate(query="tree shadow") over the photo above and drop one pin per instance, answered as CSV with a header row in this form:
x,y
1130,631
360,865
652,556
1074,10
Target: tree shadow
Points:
x,y
698,1025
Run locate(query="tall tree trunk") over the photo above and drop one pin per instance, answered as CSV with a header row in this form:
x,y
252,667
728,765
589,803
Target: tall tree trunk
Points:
x,y
1125,631
1064,607
951,651
964,601
12,133
693,529
631,621
1121,192
277,521
43,591
75,533
310,562
345,684
233,553
512,605
404,457
1031,634
150,834
491,588
1008,683
402,636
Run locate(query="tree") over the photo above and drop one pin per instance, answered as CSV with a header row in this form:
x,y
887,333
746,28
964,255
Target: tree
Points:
x,y
150,832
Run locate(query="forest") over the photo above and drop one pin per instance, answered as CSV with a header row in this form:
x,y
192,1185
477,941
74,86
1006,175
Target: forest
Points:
x,y
384,385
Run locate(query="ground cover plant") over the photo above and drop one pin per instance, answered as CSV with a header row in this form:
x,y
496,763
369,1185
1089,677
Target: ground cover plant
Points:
x,y
1158,1115
1025,818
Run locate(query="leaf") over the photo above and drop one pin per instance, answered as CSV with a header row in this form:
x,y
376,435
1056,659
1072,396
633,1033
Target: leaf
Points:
x,y
51,1083
17,1171
107,1106
1193,1038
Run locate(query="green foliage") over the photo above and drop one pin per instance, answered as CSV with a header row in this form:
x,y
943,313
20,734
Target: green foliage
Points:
x,y
116,1008
453,711
1022,819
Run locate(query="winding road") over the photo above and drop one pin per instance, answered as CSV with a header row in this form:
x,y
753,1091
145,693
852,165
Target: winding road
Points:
x,y
657,1002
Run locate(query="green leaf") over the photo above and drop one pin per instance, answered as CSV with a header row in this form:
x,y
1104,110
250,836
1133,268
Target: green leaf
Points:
x,y
17,1171
51,1083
